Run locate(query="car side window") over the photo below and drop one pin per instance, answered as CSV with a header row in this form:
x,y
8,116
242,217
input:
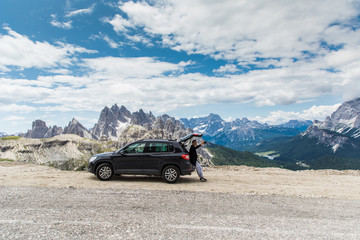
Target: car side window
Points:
x,y
171,148
135,148
159,147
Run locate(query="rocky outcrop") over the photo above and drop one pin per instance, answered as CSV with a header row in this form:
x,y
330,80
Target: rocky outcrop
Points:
x,y
40,130
53,131
345,120
339,129
74,127
141,118
67,151
112,122
115,122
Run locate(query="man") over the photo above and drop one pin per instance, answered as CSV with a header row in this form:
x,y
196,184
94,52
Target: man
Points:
x,y
194,161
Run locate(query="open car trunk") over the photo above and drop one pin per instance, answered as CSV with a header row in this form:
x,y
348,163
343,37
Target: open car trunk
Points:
x,y
186,141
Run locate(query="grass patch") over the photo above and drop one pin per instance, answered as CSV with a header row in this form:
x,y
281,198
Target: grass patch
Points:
x,y
6,160
10,138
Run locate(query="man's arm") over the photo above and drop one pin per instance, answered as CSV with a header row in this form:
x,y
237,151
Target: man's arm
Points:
x,y
202,143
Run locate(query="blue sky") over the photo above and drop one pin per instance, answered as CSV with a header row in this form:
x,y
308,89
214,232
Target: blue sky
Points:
x,y
270,61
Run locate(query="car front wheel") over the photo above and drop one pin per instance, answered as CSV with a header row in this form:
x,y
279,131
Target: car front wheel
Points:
x,y
171,174
104,172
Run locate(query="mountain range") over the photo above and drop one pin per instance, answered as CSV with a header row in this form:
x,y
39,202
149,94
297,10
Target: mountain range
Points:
x,y
242,134
111,125
333,143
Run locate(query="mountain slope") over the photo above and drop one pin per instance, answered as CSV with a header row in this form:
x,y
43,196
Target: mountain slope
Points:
x,y
226,156
335,139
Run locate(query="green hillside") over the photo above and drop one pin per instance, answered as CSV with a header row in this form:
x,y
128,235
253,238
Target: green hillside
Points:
x,y
333,162
310,152
227,156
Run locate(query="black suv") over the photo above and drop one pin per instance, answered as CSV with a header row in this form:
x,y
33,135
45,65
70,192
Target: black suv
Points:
x,y
166,158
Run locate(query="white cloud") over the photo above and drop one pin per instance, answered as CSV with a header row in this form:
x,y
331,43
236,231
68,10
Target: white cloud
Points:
x,y
139,38
11,108
62,71
119,23
78,12
228,68
149,83
13,118
22,90
142,67
64,25
313,113
238,30
19,51
111,42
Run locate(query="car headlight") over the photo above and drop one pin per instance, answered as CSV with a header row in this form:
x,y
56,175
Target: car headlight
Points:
x,y
92,159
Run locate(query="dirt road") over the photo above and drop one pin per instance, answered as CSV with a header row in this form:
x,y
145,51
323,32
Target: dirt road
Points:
x,y
38,202
239,180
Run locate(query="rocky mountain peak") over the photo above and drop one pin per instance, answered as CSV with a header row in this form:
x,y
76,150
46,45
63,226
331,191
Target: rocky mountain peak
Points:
x,y
38,130
345,120
347,115
159,123
141,118
214,117
340,129
74,122
112,122
75,127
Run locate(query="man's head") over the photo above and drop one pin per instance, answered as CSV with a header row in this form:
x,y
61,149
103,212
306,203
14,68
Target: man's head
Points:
x,y
194,143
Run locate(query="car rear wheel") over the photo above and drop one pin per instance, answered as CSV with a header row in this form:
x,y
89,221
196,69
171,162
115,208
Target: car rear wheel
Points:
x,y
171,174
104,172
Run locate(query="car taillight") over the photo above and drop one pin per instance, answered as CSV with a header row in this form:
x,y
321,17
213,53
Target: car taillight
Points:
x,y
186,156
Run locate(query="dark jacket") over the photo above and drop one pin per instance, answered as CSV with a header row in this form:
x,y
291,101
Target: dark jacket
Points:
x,y
193,154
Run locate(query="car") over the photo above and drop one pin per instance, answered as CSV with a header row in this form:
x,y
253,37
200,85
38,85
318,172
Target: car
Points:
x,y
166,158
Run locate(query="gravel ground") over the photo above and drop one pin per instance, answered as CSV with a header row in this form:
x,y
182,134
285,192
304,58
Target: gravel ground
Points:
x,y
30,212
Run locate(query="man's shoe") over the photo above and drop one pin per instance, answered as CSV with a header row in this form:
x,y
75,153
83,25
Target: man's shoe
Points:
x,y
203,179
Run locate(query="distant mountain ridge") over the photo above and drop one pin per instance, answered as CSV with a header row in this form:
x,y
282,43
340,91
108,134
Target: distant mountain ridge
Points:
x,y
239,134
242,134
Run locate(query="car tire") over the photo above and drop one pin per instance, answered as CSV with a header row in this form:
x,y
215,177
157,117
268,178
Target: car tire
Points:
x,y
171,174
104,172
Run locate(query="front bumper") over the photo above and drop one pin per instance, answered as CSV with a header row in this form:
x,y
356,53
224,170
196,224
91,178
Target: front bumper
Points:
x,y
91,168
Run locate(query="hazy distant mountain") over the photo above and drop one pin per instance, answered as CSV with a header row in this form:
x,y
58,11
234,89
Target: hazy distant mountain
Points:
x,y
241,134
3,134
296,124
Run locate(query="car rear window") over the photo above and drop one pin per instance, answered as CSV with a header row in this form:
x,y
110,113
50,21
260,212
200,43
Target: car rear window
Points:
x,y
159,147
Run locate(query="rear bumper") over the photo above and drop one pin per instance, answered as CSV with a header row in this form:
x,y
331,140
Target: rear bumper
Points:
x,y
188,170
